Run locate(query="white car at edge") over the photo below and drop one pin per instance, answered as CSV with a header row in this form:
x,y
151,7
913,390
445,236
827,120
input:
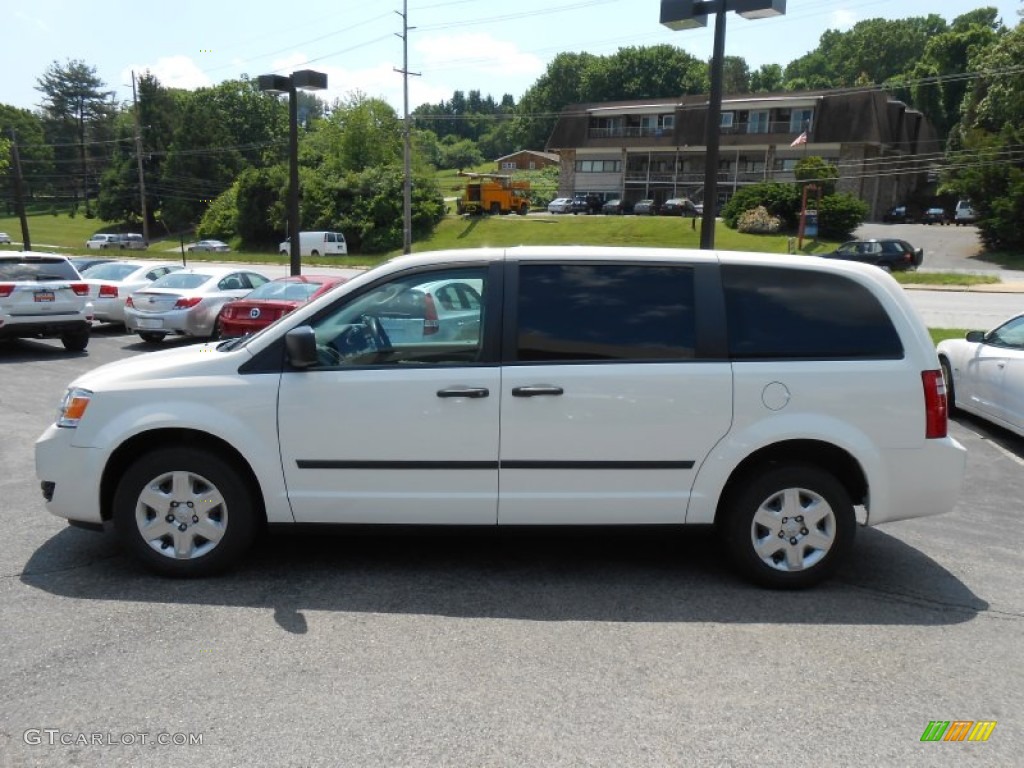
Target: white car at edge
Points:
x,y
985,373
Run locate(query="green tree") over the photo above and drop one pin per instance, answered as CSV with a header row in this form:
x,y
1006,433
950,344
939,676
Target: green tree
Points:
x,y
77,114
36,155
735,75
818,171
767,78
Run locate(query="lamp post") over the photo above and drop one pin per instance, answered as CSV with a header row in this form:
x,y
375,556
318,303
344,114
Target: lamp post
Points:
x,y
692,14
307,80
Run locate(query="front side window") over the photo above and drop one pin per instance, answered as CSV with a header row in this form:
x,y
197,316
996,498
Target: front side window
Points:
x,y
605,312
428,318
775,313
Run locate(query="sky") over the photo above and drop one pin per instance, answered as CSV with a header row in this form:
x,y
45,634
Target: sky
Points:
x,y
496,48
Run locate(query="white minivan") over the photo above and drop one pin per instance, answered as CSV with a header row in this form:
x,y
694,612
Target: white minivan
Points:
x,y
964,213
784,399
317,244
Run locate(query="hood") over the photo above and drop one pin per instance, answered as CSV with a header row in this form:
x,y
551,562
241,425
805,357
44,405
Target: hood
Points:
x,y
192,360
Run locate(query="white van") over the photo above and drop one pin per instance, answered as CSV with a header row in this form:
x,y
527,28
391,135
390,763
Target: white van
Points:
x,y
728,407
964,213
317,244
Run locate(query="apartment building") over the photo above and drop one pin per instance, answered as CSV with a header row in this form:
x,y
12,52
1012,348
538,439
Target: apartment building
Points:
x,y
656,148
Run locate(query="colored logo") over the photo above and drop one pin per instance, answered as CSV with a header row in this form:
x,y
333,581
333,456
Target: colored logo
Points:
x,y
958,730
254,312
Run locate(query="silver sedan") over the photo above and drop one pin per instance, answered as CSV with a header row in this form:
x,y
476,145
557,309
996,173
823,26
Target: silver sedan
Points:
x,y
112,283
187,302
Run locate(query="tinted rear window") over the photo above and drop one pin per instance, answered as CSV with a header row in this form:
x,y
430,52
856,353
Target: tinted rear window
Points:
x,y
605,312
775,313
181,280
111,271
37,269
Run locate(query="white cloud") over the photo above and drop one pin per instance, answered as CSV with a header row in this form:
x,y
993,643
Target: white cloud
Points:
x,y
172,72
480,52
842,19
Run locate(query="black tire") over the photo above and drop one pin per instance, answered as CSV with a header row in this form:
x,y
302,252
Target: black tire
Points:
x,y
523,209
215,333
805,553
315,254
222,506
76,341
495,209
151,338
947,376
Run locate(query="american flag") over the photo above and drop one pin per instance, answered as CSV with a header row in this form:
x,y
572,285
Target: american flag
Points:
x,y
801,139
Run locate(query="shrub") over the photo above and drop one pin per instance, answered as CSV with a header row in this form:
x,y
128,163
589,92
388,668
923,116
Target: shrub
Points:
x,y
758,222
839,215
780,200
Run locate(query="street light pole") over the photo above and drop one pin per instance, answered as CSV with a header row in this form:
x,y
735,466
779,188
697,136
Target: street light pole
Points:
x,y
692,14
307,80
712,135
294,223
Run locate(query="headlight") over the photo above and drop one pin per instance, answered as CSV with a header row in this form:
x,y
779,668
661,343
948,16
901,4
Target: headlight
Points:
x,y
72,407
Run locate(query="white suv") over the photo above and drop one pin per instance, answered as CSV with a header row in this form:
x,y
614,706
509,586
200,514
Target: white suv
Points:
x,y
42,296
769,395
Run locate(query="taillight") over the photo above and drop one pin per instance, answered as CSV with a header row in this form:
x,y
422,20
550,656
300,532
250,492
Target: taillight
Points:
x,y
935,410
80,289
6,289
108,291
430,322
187,303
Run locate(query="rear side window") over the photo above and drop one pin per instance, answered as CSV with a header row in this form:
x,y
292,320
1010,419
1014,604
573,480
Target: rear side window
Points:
x,y
802,314
605,312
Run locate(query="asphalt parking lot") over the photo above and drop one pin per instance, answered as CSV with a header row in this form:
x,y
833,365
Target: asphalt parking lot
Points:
x,y
476,651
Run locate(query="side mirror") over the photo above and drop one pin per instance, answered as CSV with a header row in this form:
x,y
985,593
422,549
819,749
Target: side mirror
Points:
x,y
975,337
300,344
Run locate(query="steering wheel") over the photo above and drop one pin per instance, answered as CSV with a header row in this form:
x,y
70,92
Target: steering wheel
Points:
x,y
328,356
378,335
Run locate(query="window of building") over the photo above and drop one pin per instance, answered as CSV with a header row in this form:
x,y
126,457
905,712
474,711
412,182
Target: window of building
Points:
x,y
605,312
800,120
788,165
726,121
758,121
780,314
598,166
667,122
508,165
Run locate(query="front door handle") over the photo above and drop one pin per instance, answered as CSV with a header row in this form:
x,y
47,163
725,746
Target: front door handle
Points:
x,y
536,390
472,392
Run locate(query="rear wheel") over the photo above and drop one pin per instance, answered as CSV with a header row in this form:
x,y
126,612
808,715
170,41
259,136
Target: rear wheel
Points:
x,y
314,253
789,527
495,209
947,377
76,341
524,209
152,338
184,512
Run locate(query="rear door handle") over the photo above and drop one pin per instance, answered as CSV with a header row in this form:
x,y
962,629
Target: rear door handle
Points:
x,y
536,391
472,392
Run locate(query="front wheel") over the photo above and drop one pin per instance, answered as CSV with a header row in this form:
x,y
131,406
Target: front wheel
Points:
x,y
789,527
184,512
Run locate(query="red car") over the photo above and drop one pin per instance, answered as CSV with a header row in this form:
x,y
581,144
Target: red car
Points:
x,y
271,301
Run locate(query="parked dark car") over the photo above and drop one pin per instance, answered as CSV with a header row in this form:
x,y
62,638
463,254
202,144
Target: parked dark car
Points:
x,y
678,206
617,207
891,255
586,204
935,216
646,208
898,215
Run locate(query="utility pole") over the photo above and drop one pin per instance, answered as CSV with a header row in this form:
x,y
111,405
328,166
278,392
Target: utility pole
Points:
x,y
407,186
138,157
19,196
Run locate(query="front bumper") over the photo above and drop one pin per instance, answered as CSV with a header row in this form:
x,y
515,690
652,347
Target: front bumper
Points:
x,y
74,474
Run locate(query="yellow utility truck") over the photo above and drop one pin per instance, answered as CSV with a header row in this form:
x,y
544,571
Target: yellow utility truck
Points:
x,y
493,193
